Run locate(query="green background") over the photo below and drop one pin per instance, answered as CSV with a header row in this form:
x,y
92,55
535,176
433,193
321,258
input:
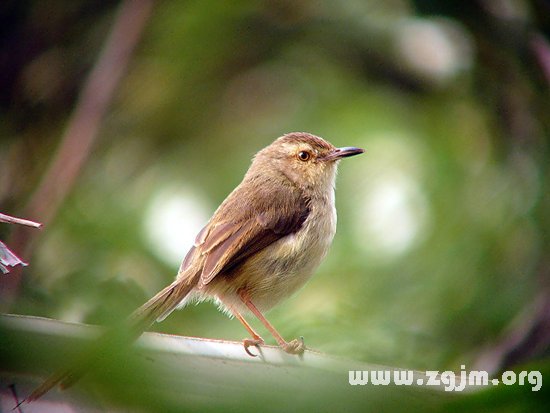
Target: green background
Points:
x,y
442,247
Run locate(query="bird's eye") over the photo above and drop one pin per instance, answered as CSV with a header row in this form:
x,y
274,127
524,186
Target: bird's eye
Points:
x,y
304,155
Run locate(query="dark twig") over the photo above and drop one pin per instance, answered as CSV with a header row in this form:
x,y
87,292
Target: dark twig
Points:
x,y
17,402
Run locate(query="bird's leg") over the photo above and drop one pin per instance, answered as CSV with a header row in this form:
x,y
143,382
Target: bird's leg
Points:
x,y
293,347
256,340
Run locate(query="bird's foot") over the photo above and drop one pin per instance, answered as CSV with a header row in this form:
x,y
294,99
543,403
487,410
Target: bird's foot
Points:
x,y
256,342
296,346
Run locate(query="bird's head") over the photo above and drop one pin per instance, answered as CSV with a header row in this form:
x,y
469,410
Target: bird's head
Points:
x,y
306,160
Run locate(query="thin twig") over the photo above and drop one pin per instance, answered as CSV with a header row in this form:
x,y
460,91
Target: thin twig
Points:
x,y
14,220
14,394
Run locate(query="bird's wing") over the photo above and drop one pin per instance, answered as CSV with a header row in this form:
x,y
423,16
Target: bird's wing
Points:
x,y
226,243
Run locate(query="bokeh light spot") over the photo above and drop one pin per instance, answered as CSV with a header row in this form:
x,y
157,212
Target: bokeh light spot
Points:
x,y
173,219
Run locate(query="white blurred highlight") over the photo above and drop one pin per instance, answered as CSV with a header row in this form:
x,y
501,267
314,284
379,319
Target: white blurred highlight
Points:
x,y
392,210
434,49
172,220
393,215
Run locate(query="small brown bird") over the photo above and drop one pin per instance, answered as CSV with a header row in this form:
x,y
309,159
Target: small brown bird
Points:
x,y
261,245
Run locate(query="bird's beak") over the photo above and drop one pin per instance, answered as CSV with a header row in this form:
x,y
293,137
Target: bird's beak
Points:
x,y
340,153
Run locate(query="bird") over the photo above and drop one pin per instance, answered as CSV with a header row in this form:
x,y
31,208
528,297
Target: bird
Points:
x,y
262,244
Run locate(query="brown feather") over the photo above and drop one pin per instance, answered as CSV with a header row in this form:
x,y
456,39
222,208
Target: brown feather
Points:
x,y
228,244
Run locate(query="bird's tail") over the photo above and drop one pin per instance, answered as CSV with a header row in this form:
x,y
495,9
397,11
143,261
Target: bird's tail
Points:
x,y
162,304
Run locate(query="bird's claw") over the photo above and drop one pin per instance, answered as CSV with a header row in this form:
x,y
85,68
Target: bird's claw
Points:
x,y
296,346
247,342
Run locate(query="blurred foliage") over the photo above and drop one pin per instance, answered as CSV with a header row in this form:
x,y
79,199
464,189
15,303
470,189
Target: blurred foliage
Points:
x,y
443,232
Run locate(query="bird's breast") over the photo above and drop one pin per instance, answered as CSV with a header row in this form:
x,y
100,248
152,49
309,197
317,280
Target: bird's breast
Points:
x,y
284,267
